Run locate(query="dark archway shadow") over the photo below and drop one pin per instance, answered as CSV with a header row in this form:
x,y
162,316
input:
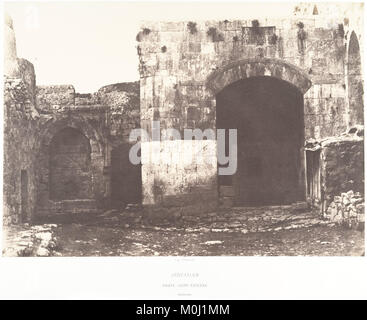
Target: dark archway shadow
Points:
x,y
126,183
70,175
268,115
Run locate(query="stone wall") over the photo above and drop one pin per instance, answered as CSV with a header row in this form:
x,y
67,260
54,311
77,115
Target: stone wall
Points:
x,y
45,172
339,178
185,184
123,100
104,118
347,209
183,65
176,62
54,98
20,141
342,166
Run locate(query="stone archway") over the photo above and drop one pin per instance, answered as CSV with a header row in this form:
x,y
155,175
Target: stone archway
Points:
x,y
248,68
263,100
92,152
354,81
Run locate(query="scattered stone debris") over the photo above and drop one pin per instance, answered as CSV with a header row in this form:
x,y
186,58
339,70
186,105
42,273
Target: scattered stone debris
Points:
x,y
24,241
213,242
347,209
244,220
274,232
109,213
133,207
100,234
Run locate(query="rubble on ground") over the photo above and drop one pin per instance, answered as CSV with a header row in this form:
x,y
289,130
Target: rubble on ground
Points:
x,y
29,241
347,209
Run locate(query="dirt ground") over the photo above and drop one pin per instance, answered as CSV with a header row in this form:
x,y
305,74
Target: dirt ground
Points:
x,y
79,240
258,232
266,231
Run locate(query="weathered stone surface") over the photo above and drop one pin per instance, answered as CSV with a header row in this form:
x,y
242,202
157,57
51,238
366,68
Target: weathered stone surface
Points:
x,y
11,67
343,166
54,98
347,209
337,173
175,174
123,102
104,118
244,51
28,76
224,76
24,240
21,138
179,86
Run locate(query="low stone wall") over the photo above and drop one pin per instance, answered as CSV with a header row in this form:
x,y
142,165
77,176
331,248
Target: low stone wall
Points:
x,y
342,165
177,180
347,209
20,140
340,177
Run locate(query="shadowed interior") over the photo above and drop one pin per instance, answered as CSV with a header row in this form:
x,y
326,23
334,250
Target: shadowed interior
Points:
x,y
70,169
268,114
126,185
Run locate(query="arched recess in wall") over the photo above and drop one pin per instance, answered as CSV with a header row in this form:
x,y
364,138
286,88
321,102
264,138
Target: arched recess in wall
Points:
x,y
70,174
49,130
263,101
355,81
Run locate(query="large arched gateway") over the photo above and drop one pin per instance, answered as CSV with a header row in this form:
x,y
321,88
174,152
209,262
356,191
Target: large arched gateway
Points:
x,y
268,115
263,100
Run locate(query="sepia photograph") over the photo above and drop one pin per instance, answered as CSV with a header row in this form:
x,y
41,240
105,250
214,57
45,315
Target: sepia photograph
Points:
x,y
128,133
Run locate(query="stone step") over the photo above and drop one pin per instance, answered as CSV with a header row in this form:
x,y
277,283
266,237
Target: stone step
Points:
x,y
69,206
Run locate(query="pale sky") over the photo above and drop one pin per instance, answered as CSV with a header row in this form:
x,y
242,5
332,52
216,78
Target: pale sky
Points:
x,y
92,44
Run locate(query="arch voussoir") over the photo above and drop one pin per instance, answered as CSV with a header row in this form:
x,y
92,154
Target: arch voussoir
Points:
x,y
247,68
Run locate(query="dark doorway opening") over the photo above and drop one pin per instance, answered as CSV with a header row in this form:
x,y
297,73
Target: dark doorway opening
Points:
x,y
313,176
126,184
24,195
70,166
268,115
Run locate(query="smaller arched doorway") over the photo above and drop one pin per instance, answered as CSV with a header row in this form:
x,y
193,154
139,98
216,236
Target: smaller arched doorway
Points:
x,y
126,184
355,82
70,175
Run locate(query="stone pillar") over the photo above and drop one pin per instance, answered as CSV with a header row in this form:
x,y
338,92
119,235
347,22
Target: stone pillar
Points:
x,y
11,67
